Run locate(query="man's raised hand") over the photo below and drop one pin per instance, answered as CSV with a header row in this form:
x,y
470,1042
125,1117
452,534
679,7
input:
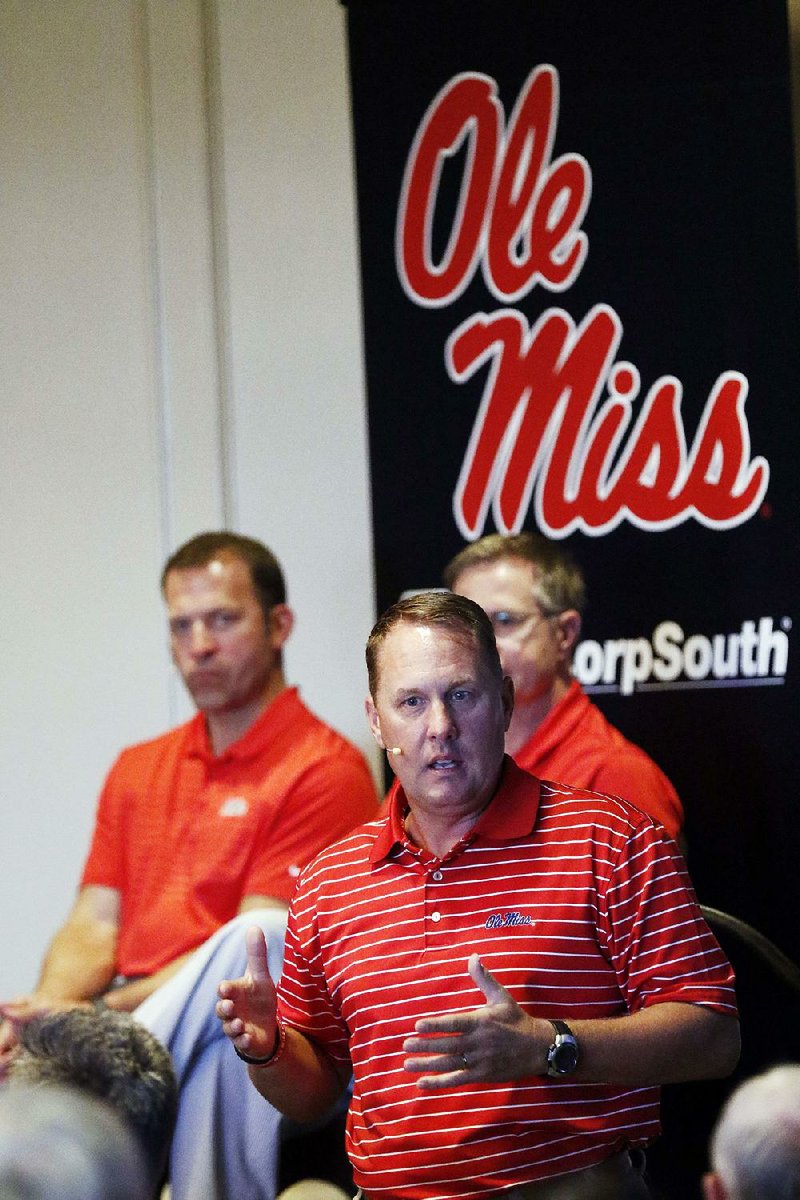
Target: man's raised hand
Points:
x,y
247,1006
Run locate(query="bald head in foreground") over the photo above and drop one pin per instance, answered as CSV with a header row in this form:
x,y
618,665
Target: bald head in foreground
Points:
x,y
755,1147
508,968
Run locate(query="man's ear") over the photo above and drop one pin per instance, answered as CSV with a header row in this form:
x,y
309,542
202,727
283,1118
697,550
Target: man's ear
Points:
x,y
713,1187
280,625
568,625
374,721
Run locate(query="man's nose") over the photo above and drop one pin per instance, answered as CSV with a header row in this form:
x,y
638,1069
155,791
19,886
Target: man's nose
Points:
x,y
201,641
441,721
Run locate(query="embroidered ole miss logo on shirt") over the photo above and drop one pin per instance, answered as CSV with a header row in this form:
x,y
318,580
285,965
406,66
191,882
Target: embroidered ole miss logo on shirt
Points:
x,y
504,920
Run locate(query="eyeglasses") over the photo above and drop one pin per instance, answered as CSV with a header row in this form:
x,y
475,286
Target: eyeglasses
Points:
x,y
508,622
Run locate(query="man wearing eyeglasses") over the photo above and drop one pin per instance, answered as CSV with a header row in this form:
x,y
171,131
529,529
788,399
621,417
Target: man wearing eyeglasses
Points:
x,y
534,594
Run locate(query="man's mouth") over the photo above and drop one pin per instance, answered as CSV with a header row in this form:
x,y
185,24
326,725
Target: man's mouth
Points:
x,y
203,678
443,764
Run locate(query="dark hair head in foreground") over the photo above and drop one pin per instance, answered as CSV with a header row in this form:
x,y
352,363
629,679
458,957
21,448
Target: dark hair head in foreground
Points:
x,y
111,1056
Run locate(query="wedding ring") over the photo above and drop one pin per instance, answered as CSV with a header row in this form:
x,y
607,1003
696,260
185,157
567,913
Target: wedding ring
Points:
x,y
464,1060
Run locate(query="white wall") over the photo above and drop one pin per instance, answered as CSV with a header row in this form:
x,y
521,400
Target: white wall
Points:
x,y
181,349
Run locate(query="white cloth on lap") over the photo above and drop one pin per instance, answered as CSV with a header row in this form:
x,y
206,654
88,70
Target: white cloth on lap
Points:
x,y
227,1136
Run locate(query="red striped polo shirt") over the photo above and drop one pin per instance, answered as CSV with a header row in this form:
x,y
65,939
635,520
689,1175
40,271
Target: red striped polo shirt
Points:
x,y
576,743
580,906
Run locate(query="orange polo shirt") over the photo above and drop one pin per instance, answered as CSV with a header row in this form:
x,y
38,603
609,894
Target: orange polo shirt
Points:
x,y
575,744
185,836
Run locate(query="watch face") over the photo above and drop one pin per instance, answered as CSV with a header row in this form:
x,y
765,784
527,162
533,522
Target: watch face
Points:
x,y
564,1057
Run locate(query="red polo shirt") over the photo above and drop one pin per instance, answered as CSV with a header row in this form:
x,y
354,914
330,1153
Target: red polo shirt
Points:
x,y
185,836
577,745
577,903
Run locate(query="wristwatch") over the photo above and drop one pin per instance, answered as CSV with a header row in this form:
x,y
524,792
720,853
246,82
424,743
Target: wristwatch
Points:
x,y
562,1057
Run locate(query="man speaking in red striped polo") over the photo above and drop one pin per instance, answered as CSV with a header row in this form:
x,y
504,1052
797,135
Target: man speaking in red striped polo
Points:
x,y
508,968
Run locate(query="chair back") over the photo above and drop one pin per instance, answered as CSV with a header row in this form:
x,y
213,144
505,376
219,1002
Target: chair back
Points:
x,y
768,994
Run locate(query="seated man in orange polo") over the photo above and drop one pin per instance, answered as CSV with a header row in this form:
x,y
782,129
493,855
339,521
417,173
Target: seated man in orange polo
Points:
x,y
534,594
210,821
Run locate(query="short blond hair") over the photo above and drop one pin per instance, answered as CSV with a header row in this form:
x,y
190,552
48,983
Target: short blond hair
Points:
x,y
559,584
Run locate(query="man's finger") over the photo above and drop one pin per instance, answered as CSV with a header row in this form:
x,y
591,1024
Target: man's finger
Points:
x,y
24,1011
17,1000
438,1083
257,954
11,1007
439,1064
8,1040
494,992
433,1045
449,1023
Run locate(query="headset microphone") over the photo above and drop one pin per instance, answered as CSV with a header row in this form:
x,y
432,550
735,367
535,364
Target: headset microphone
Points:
x,y
395,750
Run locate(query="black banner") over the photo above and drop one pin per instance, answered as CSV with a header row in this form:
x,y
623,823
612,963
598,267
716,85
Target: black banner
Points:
x,y
580,280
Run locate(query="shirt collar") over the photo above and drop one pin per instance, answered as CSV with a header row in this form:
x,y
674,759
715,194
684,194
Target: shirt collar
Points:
x,y
561,721
511,813
268,726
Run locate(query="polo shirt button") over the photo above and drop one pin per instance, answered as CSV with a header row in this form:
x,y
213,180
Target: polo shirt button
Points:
x,y
436,916
437,875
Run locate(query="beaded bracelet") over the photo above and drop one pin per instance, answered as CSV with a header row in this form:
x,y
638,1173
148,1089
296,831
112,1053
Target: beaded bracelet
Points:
x,y
271,1059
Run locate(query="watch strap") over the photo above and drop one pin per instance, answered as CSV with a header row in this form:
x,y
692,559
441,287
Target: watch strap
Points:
x,y
561,1027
